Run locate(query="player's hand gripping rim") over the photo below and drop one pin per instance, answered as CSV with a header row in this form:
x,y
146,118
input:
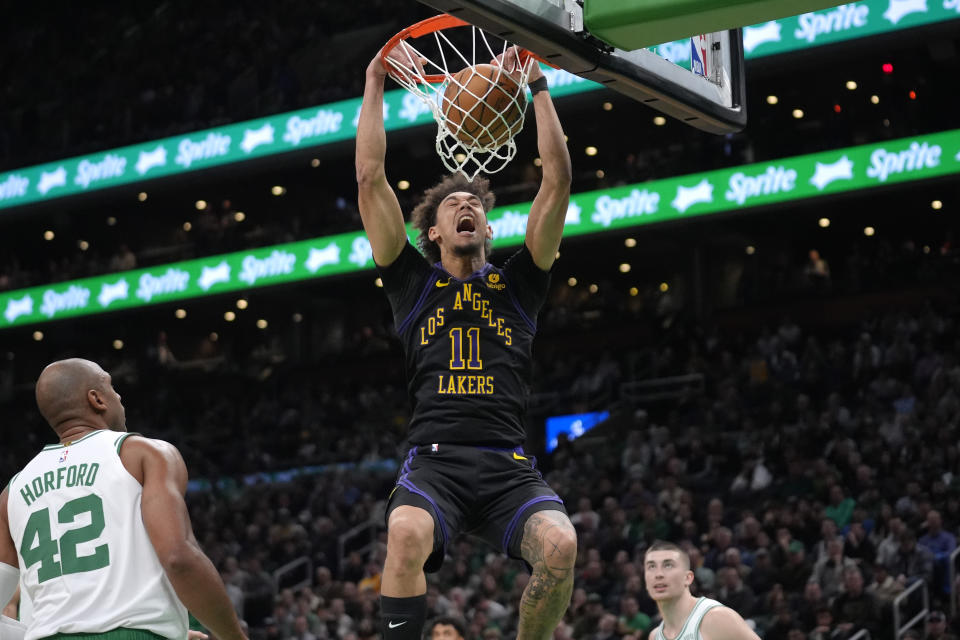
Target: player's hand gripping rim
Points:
x,y
408,62
514,64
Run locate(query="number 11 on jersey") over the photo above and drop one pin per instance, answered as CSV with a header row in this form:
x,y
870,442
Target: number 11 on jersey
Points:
x,y
456,349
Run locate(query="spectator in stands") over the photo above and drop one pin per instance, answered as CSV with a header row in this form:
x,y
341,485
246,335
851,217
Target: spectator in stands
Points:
x,y
749,534
585,517
234,586
855,608
563,631
829,530
840,508
606,628
649,526
734,593
857,544
937,627
258,590
671,496
720,540
817,272
592,577
811,601
734,559
446,628
632,620
889,547
912,562
588,623
824,629
339,622
716,515
828,572
763,575
884,587
939,542
301,629
795,572
753,477
866,357
353,569
797,480
783,622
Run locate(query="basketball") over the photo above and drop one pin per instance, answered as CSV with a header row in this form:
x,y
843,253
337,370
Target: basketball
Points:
x,y
483,106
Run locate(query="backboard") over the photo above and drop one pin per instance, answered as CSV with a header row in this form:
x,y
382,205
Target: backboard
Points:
x,y
554,29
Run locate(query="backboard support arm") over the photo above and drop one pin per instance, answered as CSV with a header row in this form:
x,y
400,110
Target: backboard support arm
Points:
x,y
548,29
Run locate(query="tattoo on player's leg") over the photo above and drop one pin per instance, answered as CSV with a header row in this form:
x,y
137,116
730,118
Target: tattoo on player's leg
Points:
x,y
549,546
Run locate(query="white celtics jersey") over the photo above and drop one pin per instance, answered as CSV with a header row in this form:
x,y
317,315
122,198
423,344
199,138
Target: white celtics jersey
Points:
x,y
691,626
86,561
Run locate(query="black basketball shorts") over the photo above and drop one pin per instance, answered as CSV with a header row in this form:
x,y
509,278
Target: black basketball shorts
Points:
x,y
482,491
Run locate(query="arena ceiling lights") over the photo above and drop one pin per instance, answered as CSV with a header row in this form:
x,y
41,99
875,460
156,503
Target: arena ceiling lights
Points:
x,y
723,191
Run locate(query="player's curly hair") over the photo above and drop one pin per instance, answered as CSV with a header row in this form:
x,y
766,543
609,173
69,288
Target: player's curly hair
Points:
x,y
424,215
450,621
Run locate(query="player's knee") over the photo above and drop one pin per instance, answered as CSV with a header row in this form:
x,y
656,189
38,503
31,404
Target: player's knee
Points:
x,y
410,537
550,537
566,544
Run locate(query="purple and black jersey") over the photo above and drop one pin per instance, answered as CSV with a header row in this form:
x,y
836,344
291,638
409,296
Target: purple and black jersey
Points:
x,y
467,345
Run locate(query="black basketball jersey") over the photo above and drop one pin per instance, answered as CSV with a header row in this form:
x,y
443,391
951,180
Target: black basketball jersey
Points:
x,y
467,345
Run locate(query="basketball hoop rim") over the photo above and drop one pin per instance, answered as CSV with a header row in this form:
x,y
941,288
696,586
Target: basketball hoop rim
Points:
x,y
431,25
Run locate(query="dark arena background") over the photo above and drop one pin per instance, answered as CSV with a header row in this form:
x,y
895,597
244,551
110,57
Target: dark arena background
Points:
x,y
750,346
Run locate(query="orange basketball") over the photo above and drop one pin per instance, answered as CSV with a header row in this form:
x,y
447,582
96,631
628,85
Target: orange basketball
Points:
x,y
483,106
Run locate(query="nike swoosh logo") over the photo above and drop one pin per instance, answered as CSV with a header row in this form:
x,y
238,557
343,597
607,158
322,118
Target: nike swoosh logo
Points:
x,y
443,284
394,626
516,456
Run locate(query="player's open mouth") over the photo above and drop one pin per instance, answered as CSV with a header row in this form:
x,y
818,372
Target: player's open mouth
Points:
x,y
466,226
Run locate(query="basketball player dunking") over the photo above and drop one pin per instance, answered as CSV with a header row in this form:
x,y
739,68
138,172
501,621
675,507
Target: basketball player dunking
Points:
x,y
668,578
466,328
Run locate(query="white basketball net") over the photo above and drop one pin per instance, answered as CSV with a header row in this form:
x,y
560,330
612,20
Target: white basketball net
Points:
x,y
464,143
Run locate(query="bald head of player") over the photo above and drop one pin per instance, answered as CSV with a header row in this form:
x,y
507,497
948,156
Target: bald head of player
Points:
x,y
78,394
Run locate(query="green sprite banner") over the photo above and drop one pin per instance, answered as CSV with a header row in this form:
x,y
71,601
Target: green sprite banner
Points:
x,y
846,21
224,145
337,121
843,22
711,192
189,279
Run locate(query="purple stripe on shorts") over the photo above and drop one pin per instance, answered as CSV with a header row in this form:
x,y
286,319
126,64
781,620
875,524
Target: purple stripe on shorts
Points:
x,y
406,463
516,517
409,486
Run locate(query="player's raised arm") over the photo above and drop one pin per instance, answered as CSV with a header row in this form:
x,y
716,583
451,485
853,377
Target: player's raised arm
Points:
x,y
549,209
161,470
723,623
379,208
